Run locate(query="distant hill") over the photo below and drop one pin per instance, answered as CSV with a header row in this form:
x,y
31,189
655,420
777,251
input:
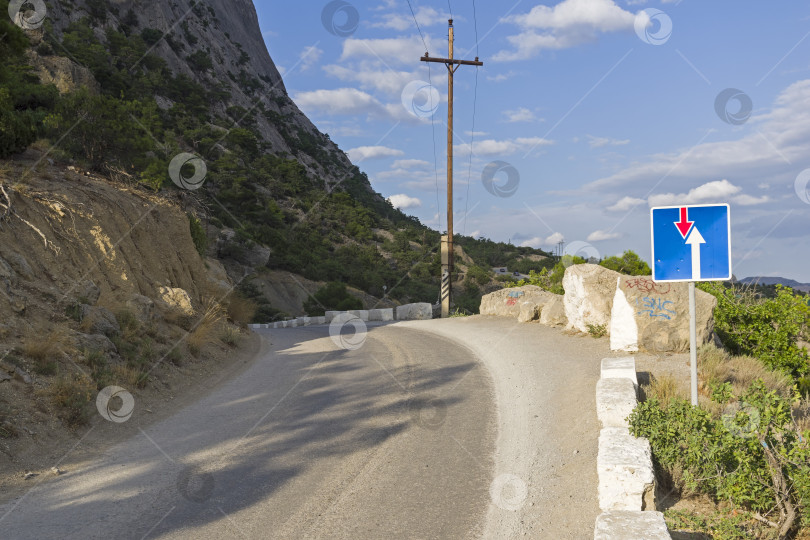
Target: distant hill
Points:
x,y
765,280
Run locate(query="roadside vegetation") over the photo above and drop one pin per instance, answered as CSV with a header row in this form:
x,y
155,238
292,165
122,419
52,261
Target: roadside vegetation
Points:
x,y
747,445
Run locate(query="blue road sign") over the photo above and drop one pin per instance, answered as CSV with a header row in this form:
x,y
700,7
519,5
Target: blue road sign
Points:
x,y
691,243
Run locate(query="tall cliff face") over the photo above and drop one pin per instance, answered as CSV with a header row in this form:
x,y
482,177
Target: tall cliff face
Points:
x,y
187,35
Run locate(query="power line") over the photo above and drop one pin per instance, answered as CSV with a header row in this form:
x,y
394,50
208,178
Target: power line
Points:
x,y
435,156
417,25
432,120
469,168
472,132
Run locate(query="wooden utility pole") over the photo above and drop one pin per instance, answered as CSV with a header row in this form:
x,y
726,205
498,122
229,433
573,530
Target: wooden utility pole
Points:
x,y
447,243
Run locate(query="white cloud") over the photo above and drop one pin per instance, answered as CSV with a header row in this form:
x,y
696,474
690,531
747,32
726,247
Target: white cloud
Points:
x,y
493,147
362,153
521,114
774,139
337,101
403,201
748,200
567,24
601,142
425,16
410,164
310,56
717,191
500,77
598,236
625,203
537,241
372,75
352,102
401,50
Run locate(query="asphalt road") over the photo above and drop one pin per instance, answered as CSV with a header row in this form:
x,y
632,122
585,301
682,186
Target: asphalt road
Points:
x,y
390,434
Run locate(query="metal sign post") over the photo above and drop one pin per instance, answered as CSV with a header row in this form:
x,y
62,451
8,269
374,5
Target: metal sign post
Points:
x,y
691,243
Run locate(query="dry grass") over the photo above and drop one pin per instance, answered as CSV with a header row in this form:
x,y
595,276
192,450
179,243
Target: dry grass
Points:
x,y
716,367
240,309
665,388
71,395
49,347
230,335
208,328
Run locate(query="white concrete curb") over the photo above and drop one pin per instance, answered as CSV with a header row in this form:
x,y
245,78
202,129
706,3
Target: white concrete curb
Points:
x,y
615,400
419,311
624,462
631,526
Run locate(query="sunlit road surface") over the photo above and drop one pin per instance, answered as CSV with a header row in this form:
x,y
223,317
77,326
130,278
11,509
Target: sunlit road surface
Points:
x,y
396,432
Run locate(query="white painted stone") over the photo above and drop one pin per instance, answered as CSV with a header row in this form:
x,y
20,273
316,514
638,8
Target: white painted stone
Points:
x,y
320,320
284,324
276,325
304,321
386,314
616,368
254,326
418,311
589,290
361,314
624,466
622,525
330,315
615,400
623,327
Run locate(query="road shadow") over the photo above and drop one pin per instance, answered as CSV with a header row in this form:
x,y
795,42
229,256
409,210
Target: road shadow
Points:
x,y
323,405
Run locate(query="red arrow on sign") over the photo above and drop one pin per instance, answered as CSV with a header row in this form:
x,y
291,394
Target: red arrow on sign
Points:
x,y
684,224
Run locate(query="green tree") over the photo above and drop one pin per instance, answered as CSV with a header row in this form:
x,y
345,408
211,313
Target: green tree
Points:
x,y
331,297
629,263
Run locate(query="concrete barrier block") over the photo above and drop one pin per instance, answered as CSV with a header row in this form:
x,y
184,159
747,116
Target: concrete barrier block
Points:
x,y
285,324
319,320
330,315
615,400
631,526
254,326
614,368
381,314
361,314
418,311
624,466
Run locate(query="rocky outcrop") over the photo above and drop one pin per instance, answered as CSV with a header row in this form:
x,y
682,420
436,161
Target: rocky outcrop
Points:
x,y
63,73
176,299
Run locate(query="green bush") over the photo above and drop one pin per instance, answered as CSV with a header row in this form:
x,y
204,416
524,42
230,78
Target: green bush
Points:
x,y
331,297
767,328
198,235
752,456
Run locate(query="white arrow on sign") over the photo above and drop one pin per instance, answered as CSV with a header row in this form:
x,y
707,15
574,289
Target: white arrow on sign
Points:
x,y
695,239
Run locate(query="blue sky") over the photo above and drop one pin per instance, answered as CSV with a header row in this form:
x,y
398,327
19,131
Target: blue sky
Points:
x,y
601,108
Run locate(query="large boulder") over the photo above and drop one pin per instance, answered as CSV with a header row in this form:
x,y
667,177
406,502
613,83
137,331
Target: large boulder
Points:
x,y
589,291
553,313
655,316
523,303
